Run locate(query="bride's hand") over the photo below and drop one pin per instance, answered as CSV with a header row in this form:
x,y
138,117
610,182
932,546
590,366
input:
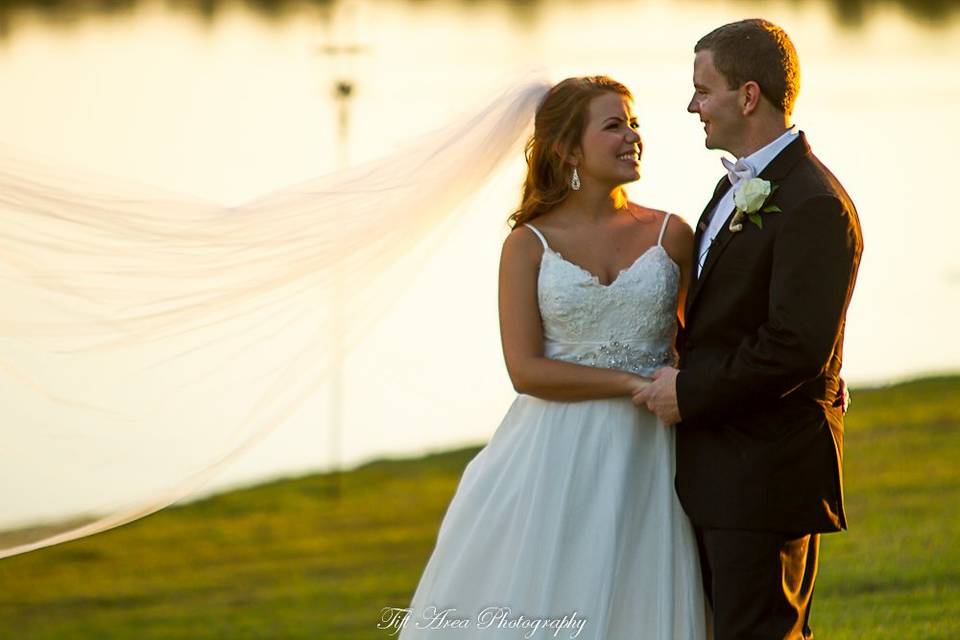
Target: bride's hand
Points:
x,y
638,384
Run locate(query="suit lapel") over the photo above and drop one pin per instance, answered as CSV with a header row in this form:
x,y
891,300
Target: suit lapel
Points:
x,y
704,221
777,170
724,236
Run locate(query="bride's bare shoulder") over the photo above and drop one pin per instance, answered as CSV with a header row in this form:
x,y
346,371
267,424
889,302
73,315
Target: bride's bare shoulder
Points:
x,y
676,227
521,246
646,214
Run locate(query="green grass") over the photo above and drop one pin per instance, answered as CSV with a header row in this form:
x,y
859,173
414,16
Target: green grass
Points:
x,y
290,559
896,573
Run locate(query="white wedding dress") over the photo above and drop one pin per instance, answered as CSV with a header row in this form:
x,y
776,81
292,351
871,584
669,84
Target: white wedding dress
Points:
x,y
568,515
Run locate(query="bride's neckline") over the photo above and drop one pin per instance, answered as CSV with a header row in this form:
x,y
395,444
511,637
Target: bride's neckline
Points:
x,y
596,279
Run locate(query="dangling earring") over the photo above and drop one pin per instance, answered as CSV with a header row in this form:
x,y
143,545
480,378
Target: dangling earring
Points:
x,y
575,180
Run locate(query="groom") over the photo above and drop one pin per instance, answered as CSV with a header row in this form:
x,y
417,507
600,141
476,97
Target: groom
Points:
x,y
759,426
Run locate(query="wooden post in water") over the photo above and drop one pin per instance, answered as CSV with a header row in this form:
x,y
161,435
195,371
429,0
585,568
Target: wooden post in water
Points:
x,y
342,54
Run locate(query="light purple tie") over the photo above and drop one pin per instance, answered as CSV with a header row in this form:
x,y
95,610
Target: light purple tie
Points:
x,y
741,170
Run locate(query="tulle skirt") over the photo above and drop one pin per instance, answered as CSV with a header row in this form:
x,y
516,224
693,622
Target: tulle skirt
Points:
x,y
566,525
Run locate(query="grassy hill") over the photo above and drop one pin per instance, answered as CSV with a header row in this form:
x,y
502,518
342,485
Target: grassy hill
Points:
x,y
290,559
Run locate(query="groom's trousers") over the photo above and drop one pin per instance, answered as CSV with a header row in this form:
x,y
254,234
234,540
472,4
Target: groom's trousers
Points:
x,y
759,583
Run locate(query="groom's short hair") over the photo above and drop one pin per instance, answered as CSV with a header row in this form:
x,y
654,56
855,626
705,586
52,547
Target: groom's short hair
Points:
x,y
756,50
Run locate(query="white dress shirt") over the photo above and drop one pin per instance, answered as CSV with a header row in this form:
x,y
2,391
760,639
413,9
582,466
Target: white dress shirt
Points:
x,y
759,160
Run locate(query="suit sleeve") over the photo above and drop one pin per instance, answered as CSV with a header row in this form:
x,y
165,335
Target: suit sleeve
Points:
x,y
815,260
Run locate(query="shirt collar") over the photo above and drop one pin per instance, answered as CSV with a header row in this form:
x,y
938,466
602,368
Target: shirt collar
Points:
x,y
760,158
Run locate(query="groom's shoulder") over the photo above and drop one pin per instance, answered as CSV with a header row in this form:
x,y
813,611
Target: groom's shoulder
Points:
x,y
812,189
811,178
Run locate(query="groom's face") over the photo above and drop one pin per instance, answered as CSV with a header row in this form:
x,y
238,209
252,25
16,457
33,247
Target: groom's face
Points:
x,y
715,103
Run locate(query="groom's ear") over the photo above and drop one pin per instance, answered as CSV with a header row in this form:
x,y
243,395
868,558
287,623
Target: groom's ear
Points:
x,y
750,97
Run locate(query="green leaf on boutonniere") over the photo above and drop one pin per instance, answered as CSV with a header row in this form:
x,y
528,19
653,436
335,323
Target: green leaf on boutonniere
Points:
x,y
755,219
772,209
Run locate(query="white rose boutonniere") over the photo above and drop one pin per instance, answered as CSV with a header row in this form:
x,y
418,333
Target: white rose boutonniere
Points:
x,y
749,198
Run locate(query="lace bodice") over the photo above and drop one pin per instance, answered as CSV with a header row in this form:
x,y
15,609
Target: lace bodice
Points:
x,y
629,324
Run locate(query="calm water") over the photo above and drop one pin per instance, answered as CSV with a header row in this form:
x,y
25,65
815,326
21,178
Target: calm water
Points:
x,y
237,98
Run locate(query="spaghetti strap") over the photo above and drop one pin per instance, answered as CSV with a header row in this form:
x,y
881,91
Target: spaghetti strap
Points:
x,y
539,235
666,219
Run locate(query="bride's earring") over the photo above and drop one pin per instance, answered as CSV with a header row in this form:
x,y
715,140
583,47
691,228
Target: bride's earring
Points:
x,y
575,180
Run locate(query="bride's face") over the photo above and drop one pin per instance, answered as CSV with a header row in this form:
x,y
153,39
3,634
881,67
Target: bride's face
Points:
x,y
610,149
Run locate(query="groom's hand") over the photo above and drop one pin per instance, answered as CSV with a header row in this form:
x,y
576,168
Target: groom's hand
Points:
x,y
660,396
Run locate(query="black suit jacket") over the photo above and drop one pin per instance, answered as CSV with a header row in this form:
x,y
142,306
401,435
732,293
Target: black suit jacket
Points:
x,y
760,445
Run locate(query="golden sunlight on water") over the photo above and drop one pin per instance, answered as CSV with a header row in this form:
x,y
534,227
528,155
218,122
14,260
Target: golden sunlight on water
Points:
x,y
231,107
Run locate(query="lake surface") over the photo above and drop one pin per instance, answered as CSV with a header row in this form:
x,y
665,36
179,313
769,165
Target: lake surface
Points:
x,y
231,99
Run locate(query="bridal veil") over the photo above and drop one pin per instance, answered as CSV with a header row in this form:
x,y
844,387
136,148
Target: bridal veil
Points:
x,y
148,338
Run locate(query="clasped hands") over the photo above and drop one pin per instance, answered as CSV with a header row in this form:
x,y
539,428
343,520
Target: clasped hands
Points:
x,y
659,395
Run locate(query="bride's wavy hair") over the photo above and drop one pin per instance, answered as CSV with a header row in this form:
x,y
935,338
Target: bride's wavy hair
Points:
x,y
557,130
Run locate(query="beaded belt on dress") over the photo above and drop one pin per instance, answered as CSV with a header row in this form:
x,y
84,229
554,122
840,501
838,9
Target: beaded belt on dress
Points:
x,y
616,354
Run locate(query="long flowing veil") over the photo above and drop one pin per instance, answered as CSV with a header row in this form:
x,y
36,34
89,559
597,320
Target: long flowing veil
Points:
x,y
147,338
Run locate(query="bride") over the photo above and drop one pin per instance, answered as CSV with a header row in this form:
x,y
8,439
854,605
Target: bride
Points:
x,y
151,338
566,522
